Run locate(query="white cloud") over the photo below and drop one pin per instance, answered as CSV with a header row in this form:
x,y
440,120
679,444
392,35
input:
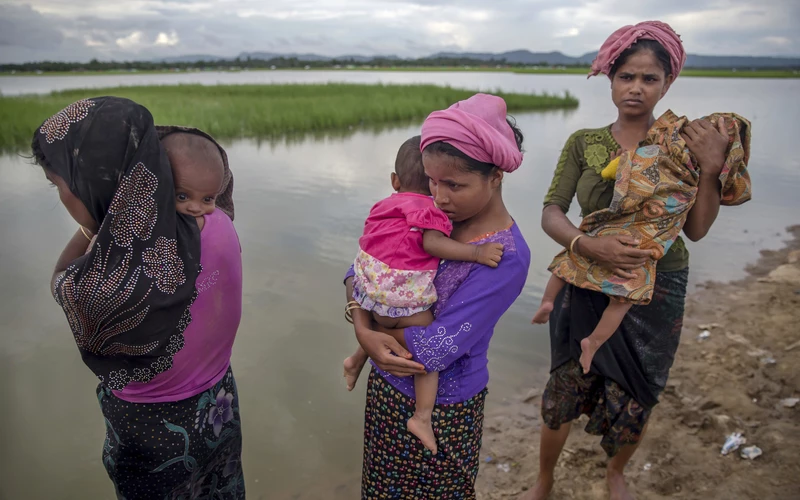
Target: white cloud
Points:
x,y
91,42
167,40
83,29
132,41
448,33
777,40
570,32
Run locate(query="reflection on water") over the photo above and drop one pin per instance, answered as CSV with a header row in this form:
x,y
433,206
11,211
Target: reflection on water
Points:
x,y
300,206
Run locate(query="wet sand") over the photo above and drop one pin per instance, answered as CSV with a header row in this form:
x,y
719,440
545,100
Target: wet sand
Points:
x,y
741,378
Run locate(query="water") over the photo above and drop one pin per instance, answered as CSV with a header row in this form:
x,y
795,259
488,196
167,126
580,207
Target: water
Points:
x,y
300,207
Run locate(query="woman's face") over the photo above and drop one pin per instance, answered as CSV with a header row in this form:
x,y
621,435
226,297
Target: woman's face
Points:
x,y
459,193
72,203
639,84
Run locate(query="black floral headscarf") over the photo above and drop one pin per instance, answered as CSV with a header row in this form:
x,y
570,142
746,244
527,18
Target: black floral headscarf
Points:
x,y
127,301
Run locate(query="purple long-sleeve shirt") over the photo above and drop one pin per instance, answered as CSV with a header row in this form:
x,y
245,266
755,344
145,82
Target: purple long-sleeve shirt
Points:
x,y
472,298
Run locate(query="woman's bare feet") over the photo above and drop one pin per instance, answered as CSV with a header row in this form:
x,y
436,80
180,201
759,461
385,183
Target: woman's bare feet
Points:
x,y
542,316
589,347
540,490
617,489
352,369
423,429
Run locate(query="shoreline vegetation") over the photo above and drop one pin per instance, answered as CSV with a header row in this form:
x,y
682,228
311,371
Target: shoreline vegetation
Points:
x,y
522,70
263,111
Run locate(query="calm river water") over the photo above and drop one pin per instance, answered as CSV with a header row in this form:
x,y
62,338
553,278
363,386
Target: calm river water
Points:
x,y
300,208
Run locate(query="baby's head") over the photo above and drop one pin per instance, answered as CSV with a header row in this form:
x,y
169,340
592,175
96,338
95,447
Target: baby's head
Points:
x,y
409,174
198,172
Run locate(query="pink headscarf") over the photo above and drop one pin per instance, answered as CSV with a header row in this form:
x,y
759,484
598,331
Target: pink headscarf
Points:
x,y
477,127
623,38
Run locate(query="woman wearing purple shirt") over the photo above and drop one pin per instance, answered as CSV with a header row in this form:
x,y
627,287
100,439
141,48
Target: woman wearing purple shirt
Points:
x,y
467,149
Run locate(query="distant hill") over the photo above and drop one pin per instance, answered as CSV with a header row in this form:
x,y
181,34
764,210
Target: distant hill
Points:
x,y
512,57
557,58
192,58
698,61
266,56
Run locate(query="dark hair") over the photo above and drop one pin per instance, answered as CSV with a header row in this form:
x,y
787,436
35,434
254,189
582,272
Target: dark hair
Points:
x,y
653,46
195,147
37,155
473,165
408,167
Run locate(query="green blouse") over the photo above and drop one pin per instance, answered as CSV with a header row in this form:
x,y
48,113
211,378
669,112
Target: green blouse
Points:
x,y
586,153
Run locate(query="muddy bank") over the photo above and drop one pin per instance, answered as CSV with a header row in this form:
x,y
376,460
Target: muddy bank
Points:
x,y
741,376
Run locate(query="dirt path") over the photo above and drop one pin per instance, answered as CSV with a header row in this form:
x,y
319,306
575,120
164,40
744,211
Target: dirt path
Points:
x,y
739,379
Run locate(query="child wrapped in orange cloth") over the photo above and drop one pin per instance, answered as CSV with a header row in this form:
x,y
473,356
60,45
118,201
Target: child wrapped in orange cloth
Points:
x,y
655,187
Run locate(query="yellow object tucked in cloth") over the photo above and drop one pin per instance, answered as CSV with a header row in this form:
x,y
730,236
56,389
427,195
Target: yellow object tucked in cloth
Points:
x,y
656,186
609,172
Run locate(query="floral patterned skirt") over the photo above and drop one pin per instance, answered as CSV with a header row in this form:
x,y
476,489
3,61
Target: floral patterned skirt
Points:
x,y
612,412
188,449
397,465
628,372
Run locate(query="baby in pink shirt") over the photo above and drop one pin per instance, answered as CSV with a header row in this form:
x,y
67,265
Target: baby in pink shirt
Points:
x,y
405,237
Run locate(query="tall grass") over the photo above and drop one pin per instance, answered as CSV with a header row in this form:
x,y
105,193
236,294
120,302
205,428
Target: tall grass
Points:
x,y
261,111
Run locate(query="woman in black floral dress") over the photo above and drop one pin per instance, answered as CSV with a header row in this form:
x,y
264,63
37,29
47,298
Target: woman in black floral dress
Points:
x,y
131,284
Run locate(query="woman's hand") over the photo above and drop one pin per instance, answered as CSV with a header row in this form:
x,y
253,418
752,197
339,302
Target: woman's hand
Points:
x,y
91,244
708,145
387,353
616,252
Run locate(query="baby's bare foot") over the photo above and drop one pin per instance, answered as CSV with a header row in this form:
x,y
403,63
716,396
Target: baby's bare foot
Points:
x,y
588,349
424,431
352,369
542,316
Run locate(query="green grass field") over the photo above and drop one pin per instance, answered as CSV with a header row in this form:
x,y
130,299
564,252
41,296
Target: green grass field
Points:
x,y
262,111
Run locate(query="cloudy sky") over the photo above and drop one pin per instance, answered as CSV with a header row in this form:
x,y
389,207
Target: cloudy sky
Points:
x,y
78,30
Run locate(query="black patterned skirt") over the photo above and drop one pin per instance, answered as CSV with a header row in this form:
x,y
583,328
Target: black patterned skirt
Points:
x,y
190,449
628,372
397,465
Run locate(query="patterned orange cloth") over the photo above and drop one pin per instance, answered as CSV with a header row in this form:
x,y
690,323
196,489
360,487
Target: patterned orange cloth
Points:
x,y
656,186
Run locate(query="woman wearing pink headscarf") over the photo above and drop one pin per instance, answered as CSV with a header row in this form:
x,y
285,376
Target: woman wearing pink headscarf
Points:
x,y
467,150
629,371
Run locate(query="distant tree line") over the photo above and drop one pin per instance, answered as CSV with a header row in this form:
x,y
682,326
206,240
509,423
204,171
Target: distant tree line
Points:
x,y
248,63
240,63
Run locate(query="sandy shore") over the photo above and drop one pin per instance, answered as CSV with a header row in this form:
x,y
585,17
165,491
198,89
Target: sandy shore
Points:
x,y
741,378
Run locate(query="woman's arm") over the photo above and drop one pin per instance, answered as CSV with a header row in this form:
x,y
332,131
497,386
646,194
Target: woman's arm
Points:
x,y
76,247
708,145
387,353
437,244
705,210
617,253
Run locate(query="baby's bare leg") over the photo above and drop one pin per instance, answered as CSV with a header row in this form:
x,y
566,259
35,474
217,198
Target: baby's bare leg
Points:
x,y
353,366
426,387
355,363
609,322
554,286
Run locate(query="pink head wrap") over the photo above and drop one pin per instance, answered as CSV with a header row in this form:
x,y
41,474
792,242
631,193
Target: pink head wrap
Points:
x,y
623,38
477,127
